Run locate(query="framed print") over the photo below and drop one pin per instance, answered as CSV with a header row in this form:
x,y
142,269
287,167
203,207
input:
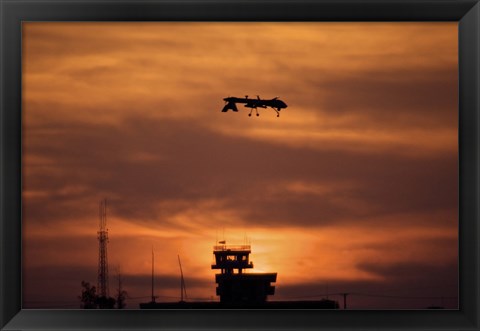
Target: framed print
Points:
x,y
239,165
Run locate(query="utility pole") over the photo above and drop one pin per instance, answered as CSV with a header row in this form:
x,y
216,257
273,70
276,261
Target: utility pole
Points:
x,y
345,300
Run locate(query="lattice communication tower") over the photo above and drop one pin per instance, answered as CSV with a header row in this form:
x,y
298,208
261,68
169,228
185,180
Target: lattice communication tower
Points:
x,y
102,285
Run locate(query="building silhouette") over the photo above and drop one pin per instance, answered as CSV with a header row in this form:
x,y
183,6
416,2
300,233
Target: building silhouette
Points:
x,y
239,288
234,284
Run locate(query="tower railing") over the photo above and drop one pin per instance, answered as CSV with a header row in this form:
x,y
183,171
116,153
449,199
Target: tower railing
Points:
x,y
217,248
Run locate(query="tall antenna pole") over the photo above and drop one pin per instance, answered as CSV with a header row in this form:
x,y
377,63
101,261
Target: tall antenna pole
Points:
x,y
102,251
153,270
183,289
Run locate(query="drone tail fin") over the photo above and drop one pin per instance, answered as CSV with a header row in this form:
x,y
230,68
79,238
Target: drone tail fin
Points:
x,y
230,105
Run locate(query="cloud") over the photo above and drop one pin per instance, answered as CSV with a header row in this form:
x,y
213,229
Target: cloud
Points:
x,y
183,165
412,285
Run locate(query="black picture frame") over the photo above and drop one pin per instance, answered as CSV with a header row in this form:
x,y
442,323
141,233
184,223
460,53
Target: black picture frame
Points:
x,y
14,12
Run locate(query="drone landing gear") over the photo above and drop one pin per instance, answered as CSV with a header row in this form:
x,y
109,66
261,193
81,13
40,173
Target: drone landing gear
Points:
x,y
256,111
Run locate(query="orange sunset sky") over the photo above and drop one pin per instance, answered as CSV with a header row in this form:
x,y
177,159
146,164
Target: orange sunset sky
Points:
x,y
352,189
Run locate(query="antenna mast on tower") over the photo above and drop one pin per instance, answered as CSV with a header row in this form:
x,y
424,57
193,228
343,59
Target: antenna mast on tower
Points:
x,y
102,251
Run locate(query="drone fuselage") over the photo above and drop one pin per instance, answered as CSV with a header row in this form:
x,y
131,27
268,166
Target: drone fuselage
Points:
x,y
274,103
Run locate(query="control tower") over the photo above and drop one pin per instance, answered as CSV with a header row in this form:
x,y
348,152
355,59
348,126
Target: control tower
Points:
x,y
236,286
